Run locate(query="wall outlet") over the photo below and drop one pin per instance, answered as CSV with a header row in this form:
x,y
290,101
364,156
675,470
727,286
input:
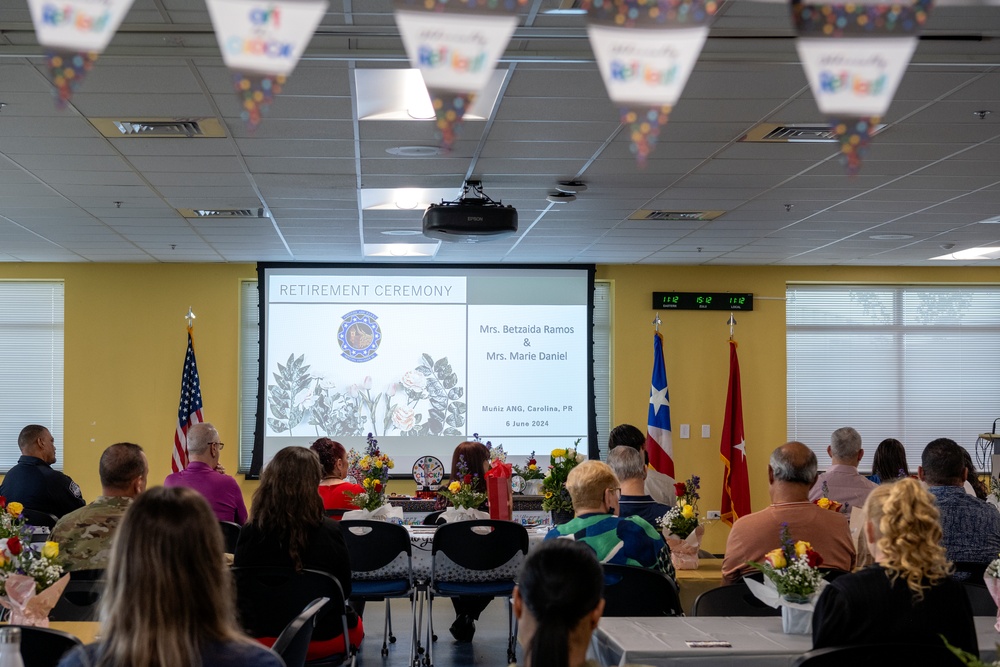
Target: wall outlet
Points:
x,y
706,431
713,514
685,430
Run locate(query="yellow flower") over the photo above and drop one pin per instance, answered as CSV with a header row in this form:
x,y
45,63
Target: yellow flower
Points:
x,y
365,463
15,509
802,547
824,503
366,483
532,466
548,494
378,463
556,453
455,487
391,464
687,512
50,550
776,558
3,561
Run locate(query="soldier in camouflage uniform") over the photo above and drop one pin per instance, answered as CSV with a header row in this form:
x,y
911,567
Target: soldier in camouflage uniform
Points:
x,y
84,536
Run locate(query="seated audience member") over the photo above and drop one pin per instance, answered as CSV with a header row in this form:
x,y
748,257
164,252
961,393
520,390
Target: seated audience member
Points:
x,y
889,463
476,458
791,473
32,481
335,491
169,599
843,481
594,489
558,602
85,535
288,528
206,476
973,485
970,526
631,471
658,485
907,596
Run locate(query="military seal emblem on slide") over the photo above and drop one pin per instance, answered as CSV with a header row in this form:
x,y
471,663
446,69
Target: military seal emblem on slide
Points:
x,y
359,336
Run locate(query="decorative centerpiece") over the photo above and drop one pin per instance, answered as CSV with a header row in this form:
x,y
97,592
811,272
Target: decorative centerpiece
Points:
x,y
531,474
371,471
557,499
792,580
462,495
681,527
30,581
825,502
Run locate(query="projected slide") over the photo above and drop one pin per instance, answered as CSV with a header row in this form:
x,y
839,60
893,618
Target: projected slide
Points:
x,y
423,358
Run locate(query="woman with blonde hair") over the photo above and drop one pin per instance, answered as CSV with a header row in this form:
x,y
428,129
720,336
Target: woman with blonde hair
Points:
x,y
169,599
907,596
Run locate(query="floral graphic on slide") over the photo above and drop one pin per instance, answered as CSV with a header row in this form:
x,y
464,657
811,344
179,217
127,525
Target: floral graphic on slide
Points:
x,y
426,400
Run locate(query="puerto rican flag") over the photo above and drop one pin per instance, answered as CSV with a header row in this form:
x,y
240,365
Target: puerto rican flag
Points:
x,y
659,440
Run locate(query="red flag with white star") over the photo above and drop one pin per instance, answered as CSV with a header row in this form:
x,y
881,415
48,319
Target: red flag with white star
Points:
x,y
735,480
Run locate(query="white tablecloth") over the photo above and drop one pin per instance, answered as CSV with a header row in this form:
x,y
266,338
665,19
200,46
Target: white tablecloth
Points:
x,y
661,642
422,539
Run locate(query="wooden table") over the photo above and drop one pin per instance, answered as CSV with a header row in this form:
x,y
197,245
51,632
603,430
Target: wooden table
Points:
x,y
693,583
85,631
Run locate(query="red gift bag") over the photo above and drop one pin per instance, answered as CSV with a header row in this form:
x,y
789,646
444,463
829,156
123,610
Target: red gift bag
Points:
x,y
499,492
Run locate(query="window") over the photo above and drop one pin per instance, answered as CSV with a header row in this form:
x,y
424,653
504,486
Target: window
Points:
x,y
249,351
910,362
31,363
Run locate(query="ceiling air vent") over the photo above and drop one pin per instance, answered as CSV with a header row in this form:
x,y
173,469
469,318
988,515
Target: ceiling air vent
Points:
x,y
227,213
794,133
159,128
647,214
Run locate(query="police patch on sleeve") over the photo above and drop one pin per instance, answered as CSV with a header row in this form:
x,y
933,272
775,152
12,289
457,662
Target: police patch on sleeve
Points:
x,y
359,336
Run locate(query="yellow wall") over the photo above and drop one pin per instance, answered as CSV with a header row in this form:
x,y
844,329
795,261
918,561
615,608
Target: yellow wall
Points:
x,y
125,346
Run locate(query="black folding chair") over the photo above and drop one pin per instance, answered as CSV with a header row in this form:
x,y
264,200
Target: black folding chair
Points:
x,y
732,600
335,514
39,519
230,535
639,591
879,655
45,647
381,568
268,598
476,558
293,642
80,599
967,571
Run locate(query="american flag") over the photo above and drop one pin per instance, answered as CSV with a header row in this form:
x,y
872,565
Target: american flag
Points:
x,y
659,440
189,412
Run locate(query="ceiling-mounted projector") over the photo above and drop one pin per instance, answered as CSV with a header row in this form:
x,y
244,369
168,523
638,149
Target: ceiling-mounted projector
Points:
x,y
470,218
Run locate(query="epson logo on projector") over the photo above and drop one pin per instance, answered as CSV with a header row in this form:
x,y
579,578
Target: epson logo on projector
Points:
x,y
474,218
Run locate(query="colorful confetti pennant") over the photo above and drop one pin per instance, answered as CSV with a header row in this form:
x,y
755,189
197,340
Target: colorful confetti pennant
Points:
x,y
855,134
644,127
456,46
74,33
261,43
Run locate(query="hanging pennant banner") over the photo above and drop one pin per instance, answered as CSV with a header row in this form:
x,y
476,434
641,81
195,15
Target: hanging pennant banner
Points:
x,y
646,51
74,33
262,42
854,57
455,51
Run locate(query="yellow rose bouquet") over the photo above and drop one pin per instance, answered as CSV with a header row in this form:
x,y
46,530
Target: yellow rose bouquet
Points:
x,y
792,567
31,580
463,493
556,497
371,471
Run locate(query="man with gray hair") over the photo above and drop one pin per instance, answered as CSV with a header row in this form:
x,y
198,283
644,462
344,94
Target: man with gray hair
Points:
x,y
843,481
206,476
791,473
630,466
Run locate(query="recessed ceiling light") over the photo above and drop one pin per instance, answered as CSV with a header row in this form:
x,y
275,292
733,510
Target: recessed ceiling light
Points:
x,y
573,187
561,197
415,151
995,220
972,254
402,232
891,237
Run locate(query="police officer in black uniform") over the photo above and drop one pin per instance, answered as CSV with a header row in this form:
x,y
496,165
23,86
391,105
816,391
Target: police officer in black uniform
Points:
x,y
33,482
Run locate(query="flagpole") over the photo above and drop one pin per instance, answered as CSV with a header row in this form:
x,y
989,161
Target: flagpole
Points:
x,y
656,323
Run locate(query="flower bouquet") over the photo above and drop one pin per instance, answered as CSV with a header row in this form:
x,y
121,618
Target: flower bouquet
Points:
x,y
680,526
463,496
992,578
30,581
371,471
556,497
825,502
792,580
531,474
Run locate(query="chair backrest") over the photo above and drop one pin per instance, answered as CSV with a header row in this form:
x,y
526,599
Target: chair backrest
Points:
x,y
733,600
879,655
230,535
433,519
639,591
980,599
38,518
378,549
481,545
971,572
268,598
831,573
335,513
80,598
293,642
44,647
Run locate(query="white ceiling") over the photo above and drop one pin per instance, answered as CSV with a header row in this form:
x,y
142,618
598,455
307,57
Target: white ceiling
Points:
x,y
933,173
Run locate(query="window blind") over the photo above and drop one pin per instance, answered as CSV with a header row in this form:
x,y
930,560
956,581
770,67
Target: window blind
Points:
x,y
31,363
602,363
912,362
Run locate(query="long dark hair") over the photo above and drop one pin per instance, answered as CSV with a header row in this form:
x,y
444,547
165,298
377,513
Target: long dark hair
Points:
x,y
476,457
973,476
560,583
286,506
890,460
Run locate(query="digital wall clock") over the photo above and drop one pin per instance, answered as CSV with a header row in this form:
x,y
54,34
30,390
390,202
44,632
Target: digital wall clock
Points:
x,y
702,301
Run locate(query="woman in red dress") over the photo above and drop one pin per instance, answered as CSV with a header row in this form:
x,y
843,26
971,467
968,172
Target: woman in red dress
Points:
x,y
333,488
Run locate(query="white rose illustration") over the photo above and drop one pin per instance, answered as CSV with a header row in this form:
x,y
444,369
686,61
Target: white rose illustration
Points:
x,y
402,417
414,380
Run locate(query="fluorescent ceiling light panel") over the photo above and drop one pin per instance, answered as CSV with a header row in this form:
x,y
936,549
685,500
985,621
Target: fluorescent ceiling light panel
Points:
x,y
972,253
402,250
399,94
405,199
995,220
